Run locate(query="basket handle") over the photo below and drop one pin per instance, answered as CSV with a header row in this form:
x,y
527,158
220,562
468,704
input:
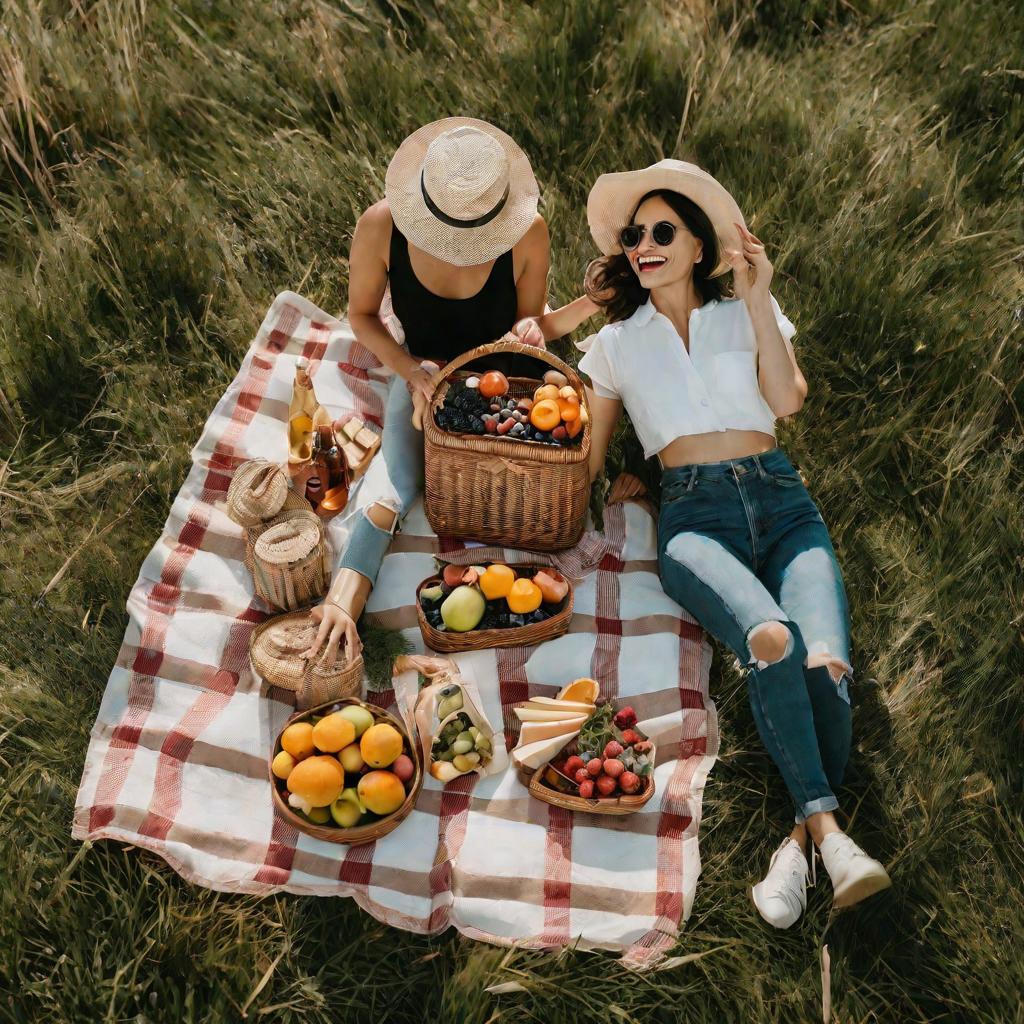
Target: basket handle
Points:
x,y
506,347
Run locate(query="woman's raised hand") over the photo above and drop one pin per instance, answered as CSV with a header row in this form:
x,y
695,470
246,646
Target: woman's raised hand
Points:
x,y
625,487
528,332
751,268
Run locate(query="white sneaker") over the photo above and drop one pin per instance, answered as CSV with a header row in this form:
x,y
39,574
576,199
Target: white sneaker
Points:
x,y
854,874
781,896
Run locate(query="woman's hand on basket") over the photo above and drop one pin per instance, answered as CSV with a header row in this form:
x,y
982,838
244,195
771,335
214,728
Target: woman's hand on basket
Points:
x,y
527,332
335,624
625,487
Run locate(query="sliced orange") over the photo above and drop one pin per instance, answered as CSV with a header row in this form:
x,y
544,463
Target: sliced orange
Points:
x,y
584,690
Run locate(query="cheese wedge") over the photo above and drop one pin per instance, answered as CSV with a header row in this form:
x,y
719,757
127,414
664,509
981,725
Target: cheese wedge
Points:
x,y
533,755
562,705
530,714
533,731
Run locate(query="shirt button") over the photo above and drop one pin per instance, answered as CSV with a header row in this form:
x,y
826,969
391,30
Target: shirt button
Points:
x,y
704,401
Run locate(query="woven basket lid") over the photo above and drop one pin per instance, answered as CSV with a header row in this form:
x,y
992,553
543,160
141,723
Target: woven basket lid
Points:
x,y
257,492
289,541
277,648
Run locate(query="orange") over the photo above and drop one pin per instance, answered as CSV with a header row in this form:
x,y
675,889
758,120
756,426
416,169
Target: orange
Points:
x,y
297,739
332,733
524,597
497,581
381,792
586,691
493,384
545,414
317,780
568,410
380,745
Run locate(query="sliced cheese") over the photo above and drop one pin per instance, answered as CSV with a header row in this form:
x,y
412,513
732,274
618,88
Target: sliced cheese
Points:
x,y
533,755
565,705
529,714
533,731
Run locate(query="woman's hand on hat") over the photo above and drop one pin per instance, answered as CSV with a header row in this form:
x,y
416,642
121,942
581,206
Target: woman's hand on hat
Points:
x,y
527,332
335,623
625,487
751,268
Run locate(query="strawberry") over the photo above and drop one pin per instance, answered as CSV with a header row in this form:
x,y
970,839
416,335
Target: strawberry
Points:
x,y
629,781
581,775
587,789
573,764
612,749
630,736
613,767
625,719
595,766
606,785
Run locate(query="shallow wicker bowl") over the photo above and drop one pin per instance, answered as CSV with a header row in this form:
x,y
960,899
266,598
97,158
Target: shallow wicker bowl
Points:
x,y
372,831
482,639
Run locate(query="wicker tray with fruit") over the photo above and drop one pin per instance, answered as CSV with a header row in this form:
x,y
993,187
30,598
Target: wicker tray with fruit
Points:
x,y
471,608
345,772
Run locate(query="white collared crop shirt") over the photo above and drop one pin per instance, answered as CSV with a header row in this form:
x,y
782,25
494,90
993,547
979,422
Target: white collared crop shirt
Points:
x,y
669,392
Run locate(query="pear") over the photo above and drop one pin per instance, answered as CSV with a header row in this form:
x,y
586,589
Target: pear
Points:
x,y
359,716
348,808
463,609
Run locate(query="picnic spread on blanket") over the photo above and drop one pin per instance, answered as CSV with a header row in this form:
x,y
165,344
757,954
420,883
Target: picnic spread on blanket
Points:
x,y
533,775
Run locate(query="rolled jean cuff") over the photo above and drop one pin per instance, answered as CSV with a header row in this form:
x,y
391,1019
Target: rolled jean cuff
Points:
x,y
366,548
822,804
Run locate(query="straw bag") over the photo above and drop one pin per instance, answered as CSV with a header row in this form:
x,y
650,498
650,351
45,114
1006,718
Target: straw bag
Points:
x,y
276,651
289,559
519,494
258,491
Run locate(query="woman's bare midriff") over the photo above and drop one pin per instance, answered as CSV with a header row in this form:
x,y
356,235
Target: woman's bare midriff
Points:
x,y
716,447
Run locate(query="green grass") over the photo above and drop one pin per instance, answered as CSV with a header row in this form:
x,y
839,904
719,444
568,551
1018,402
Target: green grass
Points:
x,y
168,167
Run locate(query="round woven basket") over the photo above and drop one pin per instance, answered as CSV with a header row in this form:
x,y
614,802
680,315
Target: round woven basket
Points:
x,y
502,490
257,492
276,651
481,639
290,560
361,833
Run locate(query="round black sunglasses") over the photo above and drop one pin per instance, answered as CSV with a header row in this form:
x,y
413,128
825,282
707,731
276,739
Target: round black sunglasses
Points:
x,y
633,234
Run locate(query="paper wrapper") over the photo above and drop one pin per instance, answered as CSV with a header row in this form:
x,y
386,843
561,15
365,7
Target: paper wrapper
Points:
x,y
421,705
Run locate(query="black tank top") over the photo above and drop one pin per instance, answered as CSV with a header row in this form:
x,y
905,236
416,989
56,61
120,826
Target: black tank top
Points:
x,y
441,329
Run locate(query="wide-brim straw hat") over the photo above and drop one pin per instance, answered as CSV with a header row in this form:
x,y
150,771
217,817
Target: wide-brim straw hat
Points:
x,y
461,190
614,198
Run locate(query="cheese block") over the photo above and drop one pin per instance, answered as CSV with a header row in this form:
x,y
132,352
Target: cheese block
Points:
x,y
530,714
562,705
533,731
533,755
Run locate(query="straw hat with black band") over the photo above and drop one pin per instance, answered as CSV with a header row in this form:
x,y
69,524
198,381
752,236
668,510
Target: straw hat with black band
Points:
x,y
614,199
461,190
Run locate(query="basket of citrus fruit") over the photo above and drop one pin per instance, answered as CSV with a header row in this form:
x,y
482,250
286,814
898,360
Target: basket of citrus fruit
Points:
x,y
346,772
507,458
470,608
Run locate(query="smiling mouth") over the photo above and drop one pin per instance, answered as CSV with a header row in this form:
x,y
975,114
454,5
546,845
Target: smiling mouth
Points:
x,y
647,264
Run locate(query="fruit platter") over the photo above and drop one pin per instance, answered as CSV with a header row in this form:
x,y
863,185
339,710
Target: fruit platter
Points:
x,y
576,754
470,608
551,413
345,772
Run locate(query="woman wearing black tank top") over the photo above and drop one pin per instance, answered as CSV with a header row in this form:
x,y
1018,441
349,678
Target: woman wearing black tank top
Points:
x,y
460,244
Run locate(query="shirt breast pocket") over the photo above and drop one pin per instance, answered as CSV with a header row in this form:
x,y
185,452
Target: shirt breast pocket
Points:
x,y
736,380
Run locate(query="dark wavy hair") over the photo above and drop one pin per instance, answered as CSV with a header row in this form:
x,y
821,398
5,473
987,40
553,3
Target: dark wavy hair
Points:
x,y
612,283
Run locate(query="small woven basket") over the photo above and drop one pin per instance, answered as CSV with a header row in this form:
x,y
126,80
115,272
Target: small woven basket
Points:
x,y
611,805
289,559
501,490
360,833
276,651
481,639
258,491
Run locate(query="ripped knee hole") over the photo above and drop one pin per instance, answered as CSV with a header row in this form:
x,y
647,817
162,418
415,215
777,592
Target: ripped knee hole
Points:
x,y
382,516
768,643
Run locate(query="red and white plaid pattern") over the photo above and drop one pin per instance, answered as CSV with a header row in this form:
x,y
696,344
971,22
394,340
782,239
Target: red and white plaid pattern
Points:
x,y
177,761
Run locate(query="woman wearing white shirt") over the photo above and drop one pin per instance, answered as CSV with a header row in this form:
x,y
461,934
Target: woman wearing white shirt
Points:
x,y
741,544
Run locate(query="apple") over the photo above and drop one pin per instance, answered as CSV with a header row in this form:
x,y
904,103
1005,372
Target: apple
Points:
x,y
347,809
463,609
359,716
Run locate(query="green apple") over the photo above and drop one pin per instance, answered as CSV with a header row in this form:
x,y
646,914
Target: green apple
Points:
x,y
463,609
319,815
431,593
348,808
358,716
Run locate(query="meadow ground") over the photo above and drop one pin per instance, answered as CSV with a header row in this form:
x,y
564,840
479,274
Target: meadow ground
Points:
x,y
168,167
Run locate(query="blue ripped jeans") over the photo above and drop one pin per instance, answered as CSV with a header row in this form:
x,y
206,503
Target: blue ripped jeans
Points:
x,y
741,543
394,479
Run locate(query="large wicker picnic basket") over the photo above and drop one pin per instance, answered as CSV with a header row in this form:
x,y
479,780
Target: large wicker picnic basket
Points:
x,y
501,490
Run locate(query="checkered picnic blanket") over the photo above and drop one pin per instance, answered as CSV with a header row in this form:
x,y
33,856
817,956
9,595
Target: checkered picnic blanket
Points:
x,y
177,760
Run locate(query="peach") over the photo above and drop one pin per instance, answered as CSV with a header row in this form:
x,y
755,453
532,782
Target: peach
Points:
x,y
380,745
317,780
381,792
297,739
333,732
